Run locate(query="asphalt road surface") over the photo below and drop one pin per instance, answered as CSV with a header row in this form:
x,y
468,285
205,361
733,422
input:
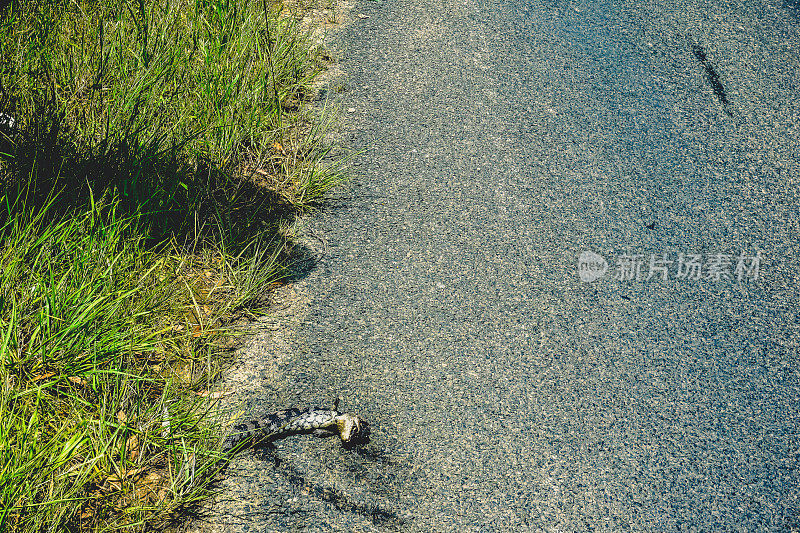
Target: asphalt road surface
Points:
x,y
503,140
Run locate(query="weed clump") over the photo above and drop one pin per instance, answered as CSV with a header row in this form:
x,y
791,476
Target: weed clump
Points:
x,y
153,157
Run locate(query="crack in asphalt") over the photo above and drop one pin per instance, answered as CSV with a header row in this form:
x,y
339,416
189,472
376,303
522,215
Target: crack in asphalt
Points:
x,y
713,78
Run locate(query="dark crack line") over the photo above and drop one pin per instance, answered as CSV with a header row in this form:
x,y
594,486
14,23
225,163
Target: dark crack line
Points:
x,y
713,78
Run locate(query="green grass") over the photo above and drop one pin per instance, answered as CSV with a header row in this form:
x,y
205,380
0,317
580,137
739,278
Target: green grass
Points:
x,y
86,331
167,102
162,153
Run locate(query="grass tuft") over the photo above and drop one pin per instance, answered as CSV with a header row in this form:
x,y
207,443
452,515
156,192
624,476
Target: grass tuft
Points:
x,y
152,157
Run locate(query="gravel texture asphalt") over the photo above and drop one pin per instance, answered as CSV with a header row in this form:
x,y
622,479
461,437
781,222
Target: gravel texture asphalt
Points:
x,y
502,139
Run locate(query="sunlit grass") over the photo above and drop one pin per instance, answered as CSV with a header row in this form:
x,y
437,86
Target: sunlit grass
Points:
x,y
105,363
160,152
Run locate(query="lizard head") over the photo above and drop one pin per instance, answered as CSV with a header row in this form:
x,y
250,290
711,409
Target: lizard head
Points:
x,y
352,429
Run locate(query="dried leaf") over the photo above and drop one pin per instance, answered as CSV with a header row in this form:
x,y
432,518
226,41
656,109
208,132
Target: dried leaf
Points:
x,y
125,474
132,447
165,423
111,485
214,395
